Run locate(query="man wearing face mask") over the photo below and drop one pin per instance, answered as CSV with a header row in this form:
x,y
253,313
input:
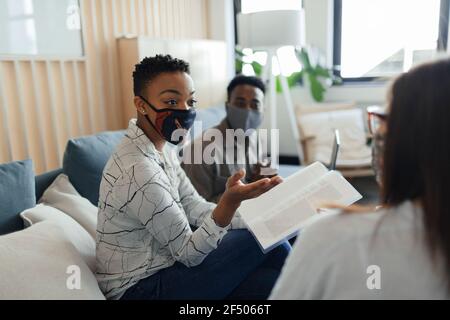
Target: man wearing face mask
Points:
x,y
245,108
156,237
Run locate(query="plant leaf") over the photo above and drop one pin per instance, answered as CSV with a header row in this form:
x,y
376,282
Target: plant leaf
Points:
x,y
257,67
238,66
278,84
304,59
322,72
317,89
238,52
295,78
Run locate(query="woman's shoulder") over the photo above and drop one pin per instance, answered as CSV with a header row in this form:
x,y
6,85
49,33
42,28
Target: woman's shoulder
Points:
x,y
349,226
141,172
344,220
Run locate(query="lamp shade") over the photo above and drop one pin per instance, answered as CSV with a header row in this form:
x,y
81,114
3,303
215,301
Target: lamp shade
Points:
x,y
271,29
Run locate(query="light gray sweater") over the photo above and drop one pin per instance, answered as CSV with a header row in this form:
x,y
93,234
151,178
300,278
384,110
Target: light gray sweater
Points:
x,y
378,255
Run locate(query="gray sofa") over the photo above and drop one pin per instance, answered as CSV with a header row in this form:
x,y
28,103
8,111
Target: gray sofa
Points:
x,y
84,160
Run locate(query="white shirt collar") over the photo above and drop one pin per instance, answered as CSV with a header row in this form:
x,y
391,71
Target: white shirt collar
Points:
x,y
138,137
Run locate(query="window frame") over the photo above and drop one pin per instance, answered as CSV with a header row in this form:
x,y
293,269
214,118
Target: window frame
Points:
x,y
237,7
337,39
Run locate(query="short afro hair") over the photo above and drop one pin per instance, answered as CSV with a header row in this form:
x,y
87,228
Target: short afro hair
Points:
x,y
249,80
150,67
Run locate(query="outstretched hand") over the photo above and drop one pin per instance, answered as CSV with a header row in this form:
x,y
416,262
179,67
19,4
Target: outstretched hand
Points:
x,y
236,192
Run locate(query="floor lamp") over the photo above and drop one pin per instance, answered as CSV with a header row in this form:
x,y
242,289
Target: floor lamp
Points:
x,y
268,31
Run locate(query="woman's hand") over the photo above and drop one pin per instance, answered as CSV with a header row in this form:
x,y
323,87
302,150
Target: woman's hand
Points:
x,y
236,192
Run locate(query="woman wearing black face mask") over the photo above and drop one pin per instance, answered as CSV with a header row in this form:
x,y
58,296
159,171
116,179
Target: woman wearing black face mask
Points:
x,y
401,251
146,248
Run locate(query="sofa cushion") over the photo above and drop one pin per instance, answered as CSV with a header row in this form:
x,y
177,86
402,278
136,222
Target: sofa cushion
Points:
x,y
76,234
85,159
41,263
16,193
62,195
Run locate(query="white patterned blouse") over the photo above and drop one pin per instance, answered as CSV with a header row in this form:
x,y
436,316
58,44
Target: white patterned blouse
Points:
x,y
145,211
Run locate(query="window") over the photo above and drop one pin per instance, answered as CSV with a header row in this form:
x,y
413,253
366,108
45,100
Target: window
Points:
x,y
44,27
22,26
376,39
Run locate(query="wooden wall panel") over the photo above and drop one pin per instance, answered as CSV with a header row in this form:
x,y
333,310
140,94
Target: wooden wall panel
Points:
x,y
45,101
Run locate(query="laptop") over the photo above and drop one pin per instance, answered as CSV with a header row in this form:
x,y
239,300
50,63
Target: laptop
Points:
x,y
270,172
335,150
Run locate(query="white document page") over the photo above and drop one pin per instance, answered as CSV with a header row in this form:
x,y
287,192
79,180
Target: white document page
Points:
x,y
281,212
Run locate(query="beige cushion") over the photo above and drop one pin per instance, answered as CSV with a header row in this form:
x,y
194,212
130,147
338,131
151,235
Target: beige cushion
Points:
x,y
320,126
35,262
62,195
75,233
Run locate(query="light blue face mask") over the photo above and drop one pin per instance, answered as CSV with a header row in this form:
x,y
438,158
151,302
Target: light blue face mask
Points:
x,y
245,119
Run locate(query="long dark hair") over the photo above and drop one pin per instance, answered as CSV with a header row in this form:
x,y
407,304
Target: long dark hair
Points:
x,y
416,162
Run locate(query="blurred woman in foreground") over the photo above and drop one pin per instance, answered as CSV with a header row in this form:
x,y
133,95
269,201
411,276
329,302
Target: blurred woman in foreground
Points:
x,y
401,251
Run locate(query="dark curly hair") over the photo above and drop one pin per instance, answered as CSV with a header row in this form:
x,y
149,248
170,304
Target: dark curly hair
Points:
x,y
250,80
150,67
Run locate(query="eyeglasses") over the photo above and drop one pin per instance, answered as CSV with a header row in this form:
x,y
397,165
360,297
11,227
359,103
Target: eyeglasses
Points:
x,y
376,116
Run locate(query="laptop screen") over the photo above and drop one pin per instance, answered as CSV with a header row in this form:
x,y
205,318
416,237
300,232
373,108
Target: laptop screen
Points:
x,y
335,150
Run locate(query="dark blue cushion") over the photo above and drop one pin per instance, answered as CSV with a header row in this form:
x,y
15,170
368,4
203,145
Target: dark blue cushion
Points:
x,y
16,194
85,159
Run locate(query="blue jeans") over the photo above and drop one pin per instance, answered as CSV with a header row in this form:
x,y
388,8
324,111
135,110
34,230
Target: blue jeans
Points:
x,y
237,269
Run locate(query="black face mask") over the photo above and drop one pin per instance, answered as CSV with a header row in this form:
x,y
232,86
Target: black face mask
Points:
x,y
169,120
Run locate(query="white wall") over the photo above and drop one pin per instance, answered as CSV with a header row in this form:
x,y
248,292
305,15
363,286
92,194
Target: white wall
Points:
x,y
221,27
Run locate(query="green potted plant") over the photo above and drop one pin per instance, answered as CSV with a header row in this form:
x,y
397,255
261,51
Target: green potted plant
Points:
x,y
314,75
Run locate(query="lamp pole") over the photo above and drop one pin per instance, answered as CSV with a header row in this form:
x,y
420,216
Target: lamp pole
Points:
x,y
268,75
270,30
291,114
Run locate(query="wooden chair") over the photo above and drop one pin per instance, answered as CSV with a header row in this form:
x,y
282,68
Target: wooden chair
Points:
x,y
309,142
